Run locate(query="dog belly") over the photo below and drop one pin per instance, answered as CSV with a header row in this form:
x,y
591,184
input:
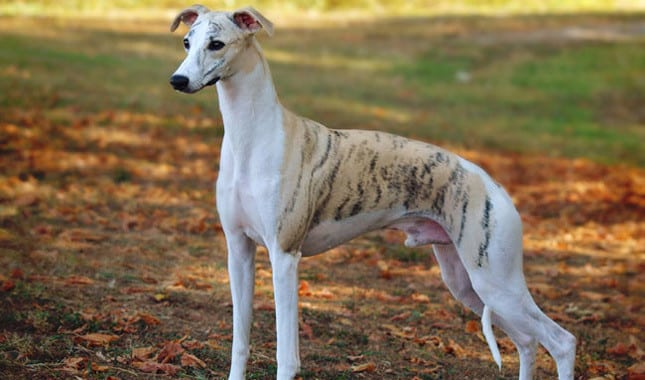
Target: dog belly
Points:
x,y
329,234
419,230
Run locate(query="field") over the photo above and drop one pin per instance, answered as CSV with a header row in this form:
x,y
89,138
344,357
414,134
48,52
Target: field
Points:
x,y
112,259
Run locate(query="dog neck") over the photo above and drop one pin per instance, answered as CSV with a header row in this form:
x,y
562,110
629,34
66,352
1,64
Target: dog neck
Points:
x,y
249,103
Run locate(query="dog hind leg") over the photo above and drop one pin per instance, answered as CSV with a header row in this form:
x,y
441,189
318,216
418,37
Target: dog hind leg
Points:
x,y
458,282
500,284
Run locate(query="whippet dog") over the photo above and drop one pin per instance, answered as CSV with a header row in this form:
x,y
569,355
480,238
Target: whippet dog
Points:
x,y
299,189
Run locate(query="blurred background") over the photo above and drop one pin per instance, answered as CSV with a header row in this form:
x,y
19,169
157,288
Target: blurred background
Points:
x,y
561,78
372,6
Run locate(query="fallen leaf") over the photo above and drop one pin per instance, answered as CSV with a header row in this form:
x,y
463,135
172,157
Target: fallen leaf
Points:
x,y
401,317
192,344
149,319
619,349
98,367
82,235
454,348
365,367
420,298
153,367
384,270
142,353
17,274
98,339
170,351
636,371
264,306
306,330
8,285
73,364
189,360
78,280
303,289
26,200
472,326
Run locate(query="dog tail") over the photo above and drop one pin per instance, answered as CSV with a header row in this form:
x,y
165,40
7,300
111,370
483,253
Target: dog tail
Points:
x,y
487,329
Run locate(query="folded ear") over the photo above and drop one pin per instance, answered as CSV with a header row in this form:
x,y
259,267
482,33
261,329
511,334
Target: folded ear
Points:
x,y
251,21
188,16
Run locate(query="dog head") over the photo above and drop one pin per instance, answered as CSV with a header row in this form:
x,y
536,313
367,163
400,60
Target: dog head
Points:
x,y
213,43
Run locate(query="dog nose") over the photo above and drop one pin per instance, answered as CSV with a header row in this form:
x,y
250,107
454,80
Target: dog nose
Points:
x,y
179,82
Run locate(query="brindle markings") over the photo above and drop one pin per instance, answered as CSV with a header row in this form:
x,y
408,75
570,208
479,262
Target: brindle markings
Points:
x,y
485,223
215,27
325,155
329,181
439,200
464,209
358,206
373,162
411,187
338,215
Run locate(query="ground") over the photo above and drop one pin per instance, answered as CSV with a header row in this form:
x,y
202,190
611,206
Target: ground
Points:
x,y
112,259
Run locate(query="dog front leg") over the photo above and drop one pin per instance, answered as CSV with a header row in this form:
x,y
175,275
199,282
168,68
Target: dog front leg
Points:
x,y
241,270
285,288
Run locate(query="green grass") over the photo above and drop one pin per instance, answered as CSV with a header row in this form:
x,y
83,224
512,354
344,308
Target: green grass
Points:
x,y
550,100
580,98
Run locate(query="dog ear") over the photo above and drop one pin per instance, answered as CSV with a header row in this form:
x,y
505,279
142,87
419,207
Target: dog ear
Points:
x,y
188,16
251,21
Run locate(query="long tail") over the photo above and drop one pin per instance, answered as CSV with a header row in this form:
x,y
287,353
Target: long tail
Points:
x,y
487,329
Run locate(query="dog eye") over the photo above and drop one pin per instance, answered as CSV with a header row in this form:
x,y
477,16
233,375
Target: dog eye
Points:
x,y
215,45
186,44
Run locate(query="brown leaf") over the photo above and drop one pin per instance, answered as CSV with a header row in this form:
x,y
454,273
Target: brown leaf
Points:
x,y
26,200
17,274
454,348
303,289
636,371
73,364
98,339
264,306
192,344
619,349
149,319
401,317
82,235
365,367
472,326
142,353
170,351
153,367
306,330
420,298
78,280
8,285
384,270
189,360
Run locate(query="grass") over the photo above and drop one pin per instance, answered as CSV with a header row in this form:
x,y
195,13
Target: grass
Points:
x,y
433,79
